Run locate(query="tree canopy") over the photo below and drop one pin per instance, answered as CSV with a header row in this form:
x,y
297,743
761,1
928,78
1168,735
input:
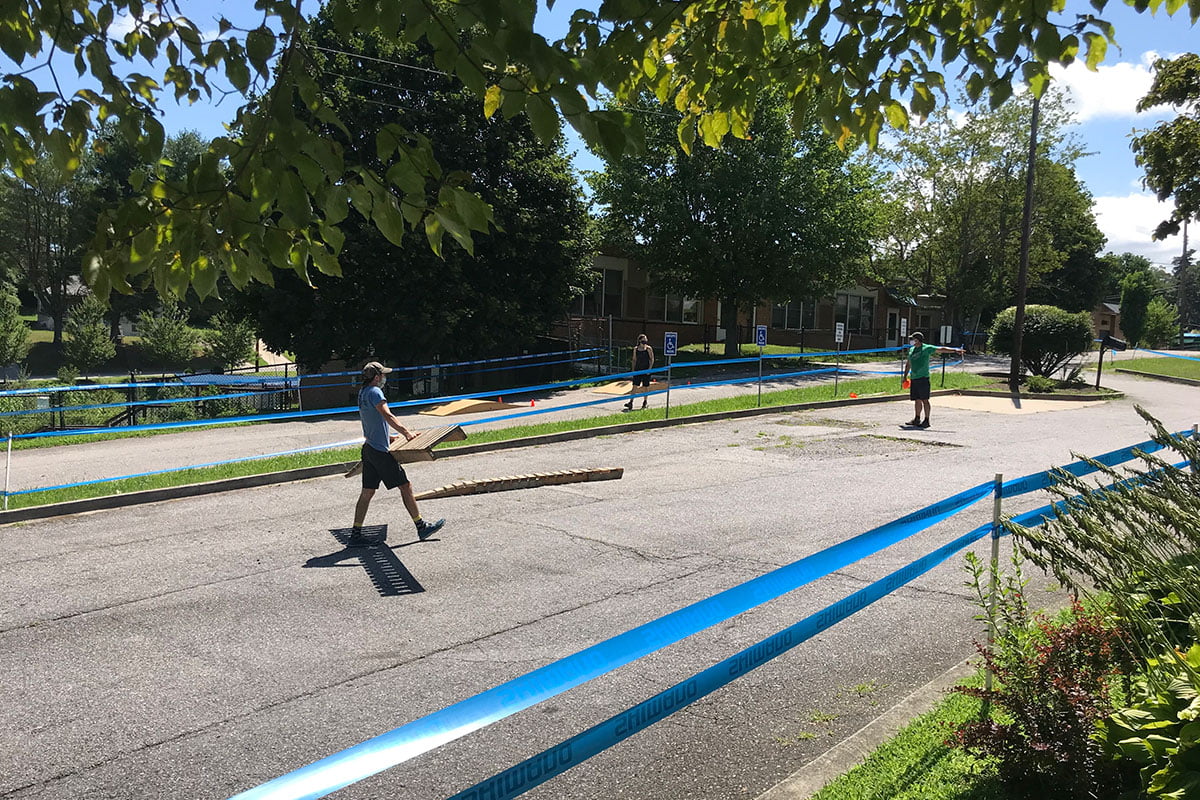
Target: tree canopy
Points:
x,y
401,302
779,215
273,194
956,193
1170,152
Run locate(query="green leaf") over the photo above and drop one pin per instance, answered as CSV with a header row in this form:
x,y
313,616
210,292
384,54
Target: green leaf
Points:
x,y
1097,48
897,115
491,100
293,200
542,117
260,44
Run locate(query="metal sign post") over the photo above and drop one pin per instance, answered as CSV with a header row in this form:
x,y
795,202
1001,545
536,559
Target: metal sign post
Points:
x,y
670,346
7,470
761,339
839,335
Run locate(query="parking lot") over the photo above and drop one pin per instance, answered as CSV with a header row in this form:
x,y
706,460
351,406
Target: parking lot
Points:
x,y
196,648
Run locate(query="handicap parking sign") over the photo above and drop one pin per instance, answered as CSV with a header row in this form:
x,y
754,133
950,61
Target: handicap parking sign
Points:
x,y
670,343
761,336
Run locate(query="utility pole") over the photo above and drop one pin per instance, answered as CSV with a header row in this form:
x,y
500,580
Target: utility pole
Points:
x,y
1014,378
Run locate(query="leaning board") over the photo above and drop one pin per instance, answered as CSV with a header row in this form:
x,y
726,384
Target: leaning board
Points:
x,y
420,447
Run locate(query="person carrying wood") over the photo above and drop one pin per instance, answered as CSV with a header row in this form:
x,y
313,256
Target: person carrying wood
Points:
x,y
378,464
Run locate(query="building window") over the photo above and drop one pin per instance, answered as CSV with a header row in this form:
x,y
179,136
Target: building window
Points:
x,y
924,324
672,308
793,316
857,312
605,298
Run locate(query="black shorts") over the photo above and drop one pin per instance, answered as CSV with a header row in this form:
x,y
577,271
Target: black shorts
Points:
x,y
642,379
919,389
383,467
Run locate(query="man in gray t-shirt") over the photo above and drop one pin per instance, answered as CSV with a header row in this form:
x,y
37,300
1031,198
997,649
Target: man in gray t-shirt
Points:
x,y
378,464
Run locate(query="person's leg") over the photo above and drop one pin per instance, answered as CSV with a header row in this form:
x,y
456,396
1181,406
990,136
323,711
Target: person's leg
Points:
x,y
410,501
925,407
632,392
360,508
916,412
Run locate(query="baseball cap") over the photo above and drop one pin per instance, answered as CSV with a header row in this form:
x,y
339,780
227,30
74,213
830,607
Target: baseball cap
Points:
x,y
375,368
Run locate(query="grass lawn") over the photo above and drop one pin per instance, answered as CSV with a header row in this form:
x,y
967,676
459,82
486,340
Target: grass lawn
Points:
x,y
955,380
918,764
1173,367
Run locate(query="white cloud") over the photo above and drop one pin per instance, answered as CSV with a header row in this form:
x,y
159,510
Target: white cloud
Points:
x,y
1110,91
1129,222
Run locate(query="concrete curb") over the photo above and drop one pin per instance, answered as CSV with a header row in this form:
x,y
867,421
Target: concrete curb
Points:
x,y
849,753
1154,376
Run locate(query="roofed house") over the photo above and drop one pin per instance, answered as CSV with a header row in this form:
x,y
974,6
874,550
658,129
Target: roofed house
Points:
x,y
1106,318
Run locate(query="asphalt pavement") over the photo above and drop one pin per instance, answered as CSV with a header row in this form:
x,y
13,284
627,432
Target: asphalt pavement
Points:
x,y
195,648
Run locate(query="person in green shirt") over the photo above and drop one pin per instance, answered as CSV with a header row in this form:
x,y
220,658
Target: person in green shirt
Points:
x,y
917,364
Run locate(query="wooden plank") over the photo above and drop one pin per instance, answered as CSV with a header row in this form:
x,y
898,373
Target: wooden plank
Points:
x,y
420,447
515,482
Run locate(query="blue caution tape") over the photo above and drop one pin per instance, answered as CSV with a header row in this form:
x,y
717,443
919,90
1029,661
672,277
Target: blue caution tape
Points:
x,y
833,353
1167,355
1043,480
312,449
408,741
556,760
132,404
196,423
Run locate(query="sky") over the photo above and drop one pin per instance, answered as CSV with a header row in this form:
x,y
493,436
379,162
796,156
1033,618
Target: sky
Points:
x,y
1104,102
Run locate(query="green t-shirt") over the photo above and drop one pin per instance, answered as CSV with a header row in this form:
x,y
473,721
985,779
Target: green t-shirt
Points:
x,y
918,360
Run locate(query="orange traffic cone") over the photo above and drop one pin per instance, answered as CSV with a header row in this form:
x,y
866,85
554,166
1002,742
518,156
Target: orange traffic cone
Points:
x,y
853,396
531,403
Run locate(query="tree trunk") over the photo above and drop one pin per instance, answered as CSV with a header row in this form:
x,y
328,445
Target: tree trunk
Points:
x,y
729,321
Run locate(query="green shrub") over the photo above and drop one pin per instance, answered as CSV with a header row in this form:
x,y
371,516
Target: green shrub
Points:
x,y
1158,735
167,339
1137,289
14,333
1161,326
1039,385
88,343
1051,338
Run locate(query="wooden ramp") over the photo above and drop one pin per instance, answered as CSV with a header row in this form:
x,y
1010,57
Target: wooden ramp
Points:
x,y
623,387
420,447
467,407
523,482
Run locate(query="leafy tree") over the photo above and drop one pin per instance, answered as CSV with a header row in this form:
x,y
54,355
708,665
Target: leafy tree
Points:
x,y
1169,151
1117,266
959,184
778,215
88,344
42,233
14,333
167,339
230,341
1161,326
1187,287
857,67
402,302
1137,291
1052,337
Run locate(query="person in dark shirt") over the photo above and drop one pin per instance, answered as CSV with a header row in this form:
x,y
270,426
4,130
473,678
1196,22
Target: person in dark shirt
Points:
x,y
917,363
378,464
642,362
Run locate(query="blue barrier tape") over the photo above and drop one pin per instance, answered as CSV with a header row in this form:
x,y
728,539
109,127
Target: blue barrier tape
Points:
x,y
833,353
131,404
408,741
553,761
1043,480
218,379
620,397
312,449
196,423
1167,355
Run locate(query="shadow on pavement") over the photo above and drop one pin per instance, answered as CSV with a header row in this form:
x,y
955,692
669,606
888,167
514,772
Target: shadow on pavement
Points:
x,y
387,572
